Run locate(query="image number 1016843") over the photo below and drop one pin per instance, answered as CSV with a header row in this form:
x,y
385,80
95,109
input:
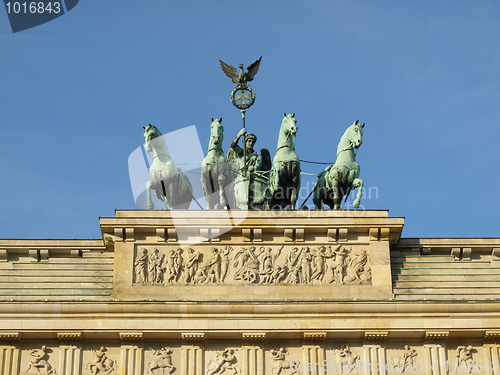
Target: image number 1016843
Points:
x,y
25,15
33,7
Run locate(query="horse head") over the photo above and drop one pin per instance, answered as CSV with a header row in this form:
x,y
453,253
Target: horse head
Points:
x,y
355,134
216,133
289,124
150,133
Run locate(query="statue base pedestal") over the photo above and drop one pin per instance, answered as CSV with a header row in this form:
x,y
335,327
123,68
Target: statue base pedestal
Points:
x,y
217,254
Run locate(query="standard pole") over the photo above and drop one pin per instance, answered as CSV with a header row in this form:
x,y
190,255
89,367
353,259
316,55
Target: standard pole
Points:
x,y
243,111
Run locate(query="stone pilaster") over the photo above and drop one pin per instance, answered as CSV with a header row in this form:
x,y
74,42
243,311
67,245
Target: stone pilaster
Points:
x,y
70,359
313,356
131,358
374,361
435,359
252,360
492,359
9,359
192,360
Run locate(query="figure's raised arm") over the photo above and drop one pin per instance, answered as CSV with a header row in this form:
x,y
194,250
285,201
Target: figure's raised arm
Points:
x,y
237,138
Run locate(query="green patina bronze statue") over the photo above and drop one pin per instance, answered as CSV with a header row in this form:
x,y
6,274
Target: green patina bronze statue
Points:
x,y
216,174
284,181
168,182
251,169
242,79
246,179
253,159
337,180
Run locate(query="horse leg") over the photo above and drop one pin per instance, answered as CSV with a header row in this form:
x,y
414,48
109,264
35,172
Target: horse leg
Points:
x,y
148,195
295,190
337,198
222,196
171,192
336,204
151,367
205,191
274,188
358,183
319,194
167,196
293,198
211,198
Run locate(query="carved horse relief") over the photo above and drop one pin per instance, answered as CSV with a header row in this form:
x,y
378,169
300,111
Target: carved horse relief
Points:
x,y
101,364
344,359
284,181
168,182
216,173
39,364
338,180
224,362
162,364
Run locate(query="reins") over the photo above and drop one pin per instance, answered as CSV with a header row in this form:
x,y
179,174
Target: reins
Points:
x,y
285,144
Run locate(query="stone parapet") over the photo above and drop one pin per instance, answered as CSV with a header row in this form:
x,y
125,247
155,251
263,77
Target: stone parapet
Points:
x,y
446,268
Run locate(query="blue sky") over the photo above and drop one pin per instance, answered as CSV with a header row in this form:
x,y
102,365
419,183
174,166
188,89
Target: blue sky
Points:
x,y
423,75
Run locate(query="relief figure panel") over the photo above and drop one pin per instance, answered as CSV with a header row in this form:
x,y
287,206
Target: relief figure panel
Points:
x,y
257,265
39,360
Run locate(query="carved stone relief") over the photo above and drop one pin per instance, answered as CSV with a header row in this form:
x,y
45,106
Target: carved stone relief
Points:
x,y
39,363
263,265
345,361
173,265
224,361
141,267
406,361
155,267
100,363
162,364
191,266
287,359
464,361
281,364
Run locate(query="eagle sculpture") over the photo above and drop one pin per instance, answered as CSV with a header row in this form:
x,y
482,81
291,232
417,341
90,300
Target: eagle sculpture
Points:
x,y
241,78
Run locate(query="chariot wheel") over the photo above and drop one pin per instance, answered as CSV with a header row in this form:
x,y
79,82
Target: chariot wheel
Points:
x,y
249,276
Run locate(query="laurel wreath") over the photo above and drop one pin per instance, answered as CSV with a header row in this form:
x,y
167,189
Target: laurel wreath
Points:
x,y
241,105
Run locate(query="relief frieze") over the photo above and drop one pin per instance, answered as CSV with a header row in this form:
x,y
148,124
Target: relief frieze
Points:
x,y
258,265
224,361
281,364
39,363
274,358
100,363
162,362
406,361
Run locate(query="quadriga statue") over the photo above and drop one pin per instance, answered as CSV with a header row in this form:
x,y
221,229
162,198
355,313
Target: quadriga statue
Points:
x,y
337,180
168,182
284,182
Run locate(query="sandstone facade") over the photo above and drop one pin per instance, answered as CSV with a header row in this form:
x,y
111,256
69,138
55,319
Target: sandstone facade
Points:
x,y
259,292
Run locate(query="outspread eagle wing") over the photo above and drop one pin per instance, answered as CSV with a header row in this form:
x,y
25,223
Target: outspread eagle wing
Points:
x,y
230,71
252,69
